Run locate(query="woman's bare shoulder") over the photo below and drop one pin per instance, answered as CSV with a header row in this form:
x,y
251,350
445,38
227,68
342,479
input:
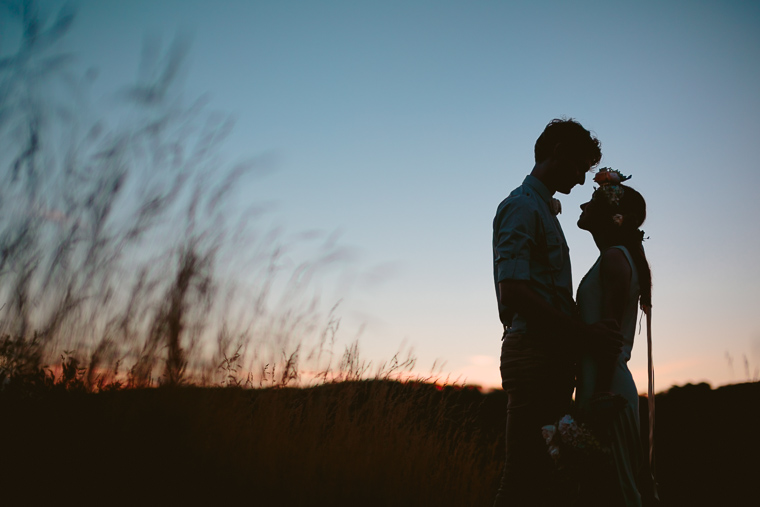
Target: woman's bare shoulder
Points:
x,y
615,263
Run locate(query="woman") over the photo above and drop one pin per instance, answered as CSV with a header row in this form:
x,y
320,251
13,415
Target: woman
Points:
x,y
606,395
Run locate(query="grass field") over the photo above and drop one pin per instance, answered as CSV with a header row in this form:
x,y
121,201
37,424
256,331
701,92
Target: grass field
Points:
x,y
370,442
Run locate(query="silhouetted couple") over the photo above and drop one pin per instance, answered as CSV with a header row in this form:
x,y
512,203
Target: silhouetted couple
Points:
x,y
551,345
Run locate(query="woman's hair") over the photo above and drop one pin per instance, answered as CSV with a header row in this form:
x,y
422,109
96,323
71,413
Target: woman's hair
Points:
x,y
633,207
575,141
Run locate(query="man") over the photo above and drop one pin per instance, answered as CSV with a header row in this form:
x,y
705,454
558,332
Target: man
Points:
x,y
534,292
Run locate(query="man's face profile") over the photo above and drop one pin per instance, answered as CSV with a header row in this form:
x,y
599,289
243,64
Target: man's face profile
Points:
x,y
570,174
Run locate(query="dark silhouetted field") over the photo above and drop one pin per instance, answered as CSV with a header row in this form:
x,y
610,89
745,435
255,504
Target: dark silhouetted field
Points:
x,y
382,443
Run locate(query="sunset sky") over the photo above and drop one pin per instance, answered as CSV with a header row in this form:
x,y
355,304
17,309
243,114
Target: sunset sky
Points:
x,y
399,126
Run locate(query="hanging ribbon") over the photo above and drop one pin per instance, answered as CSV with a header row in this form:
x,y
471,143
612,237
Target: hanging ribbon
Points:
x,y
650,394
650,390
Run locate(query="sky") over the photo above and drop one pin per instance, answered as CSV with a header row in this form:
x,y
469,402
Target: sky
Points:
x,y
398,127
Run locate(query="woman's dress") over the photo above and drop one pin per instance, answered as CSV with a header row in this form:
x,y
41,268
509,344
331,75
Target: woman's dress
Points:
x,y
624,434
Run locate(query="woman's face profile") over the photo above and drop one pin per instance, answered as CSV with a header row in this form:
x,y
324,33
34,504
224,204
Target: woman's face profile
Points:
x,y
595,213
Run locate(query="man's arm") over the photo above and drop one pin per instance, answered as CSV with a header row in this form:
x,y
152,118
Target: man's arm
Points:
x,y
517,294
518,224
601,336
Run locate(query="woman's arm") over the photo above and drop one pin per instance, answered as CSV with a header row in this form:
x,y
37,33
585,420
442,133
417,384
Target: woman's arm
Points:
x,y
616,285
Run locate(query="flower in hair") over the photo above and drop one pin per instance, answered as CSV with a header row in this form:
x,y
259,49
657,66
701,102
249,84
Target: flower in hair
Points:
x,y
609,176
609,182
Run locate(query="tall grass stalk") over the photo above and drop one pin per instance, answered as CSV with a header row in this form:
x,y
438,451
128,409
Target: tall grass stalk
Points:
x,y
114,226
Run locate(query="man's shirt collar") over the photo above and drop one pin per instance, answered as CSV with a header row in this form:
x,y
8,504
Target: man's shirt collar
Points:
x,y
539,187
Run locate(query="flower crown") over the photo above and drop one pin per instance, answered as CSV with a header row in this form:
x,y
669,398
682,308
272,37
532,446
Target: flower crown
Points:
x,y
609,181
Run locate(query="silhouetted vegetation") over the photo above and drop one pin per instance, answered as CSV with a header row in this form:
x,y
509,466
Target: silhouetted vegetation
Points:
x,y
706,448
367,442
124,238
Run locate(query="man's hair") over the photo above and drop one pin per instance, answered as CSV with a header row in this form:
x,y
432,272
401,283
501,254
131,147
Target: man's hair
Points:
x,y
576,143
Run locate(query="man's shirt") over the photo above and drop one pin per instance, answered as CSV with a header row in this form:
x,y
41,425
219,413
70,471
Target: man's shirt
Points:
x,y
528,244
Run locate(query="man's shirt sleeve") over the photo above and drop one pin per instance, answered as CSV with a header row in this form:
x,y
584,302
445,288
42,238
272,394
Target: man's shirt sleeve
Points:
x,y
515,226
